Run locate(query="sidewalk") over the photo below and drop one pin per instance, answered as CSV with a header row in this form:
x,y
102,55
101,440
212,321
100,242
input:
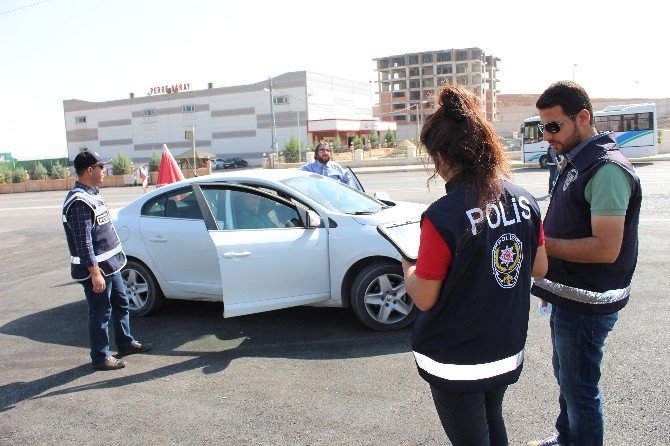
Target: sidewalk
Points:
x,y
403,164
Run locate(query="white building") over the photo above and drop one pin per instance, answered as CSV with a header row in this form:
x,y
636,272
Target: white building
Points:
x,y
228,121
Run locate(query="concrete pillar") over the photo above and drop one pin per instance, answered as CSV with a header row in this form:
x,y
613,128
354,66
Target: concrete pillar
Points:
x,y
309,156
358,155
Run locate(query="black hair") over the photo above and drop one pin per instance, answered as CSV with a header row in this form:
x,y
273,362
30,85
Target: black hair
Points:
x,y
569,95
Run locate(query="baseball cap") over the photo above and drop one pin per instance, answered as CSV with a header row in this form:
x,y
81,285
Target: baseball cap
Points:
x,y
87,159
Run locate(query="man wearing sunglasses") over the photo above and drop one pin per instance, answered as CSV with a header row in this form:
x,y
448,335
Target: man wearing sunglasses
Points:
x,y
96,261
591,230
324,166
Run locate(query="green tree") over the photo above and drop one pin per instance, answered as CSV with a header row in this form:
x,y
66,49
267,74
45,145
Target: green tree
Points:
x,y
291,150
5,175
19,175
121,164
40,172
357,142
58,170
154,162
389,138
374,137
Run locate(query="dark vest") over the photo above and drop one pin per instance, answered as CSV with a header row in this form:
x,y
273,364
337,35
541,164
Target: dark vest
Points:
x,y
106,243
589,288
473,338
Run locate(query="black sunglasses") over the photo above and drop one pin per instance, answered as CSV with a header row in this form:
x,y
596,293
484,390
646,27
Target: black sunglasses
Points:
x,y
554,127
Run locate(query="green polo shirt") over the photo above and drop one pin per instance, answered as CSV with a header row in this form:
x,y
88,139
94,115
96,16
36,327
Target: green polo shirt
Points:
x,y
609,190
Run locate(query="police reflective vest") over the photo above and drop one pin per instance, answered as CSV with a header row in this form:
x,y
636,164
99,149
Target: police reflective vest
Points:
x,y
589,288
106,244
473,338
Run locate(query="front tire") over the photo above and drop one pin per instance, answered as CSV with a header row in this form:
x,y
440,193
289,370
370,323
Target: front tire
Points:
x,y
144,295
379,299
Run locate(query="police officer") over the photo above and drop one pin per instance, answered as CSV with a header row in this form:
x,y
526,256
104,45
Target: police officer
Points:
x,y
592,224
479,246
96,261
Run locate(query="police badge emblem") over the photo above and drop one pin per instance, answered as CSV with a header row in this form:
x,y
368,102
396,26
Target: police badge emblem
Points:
x,y
569,178
506,258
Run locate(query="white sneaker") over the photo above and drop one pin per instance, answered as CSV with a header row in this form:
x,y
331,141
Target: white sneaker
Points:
x,y
550,441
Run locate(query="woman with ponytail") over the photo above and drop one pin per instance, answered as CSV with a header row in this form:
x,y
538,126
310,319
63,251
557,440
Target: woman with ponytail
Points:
x,y
480,245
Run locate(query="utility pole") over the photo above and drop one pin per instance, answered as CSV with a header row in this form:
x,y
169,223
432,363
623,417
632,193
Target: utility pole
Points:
x,y
195,162
274,124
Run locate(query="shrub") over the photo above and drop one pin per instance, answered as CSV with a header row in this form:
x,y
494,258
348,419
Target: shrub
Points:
x,y
389,137
40,172
154,162
58,170
19,175
291,150
374,137
5,175
357,142
121,164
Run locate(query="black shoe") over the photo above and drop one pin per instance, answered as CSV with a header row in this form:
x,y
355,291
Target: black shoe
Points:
x,y
135,348
109,364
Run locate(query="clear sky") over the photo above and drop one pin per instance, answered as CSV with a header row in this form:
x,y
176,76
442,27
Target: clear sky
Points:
x,y
98,50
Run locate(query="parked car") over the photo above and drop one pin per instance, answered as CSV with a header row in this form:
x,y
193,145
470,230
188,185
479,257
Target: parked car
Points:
x,y
217,163
231,163
262,240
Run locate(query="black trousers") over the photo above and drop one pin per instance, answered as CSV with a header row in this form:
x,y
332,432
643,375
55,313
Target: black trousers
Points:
x,y
472,419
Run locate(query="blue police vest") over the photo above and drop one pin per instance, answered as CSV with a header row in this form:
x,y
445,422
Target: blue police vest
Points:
x,y
473,338
106,244
589,288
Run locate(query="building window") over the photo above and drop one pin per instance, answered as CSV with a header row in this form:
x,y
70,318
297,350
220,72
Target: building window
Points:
x,y
462,69
188,108
461,55
398,61
399,118
279,100
413,59
80,119
399,94
400,106
414,95
414,84
427,58
382,64
427,71
444,57
444,69
414,72
150,112
476,54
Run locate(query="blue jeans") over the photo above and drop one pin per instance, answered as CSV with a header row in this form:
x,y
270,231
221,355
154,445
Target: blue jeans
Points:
x,y
578,341
113,303
472,419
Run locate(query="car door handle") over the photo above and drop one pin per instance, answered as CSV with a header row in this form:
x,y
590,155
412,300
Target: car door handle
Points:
x,y
160,238
231,255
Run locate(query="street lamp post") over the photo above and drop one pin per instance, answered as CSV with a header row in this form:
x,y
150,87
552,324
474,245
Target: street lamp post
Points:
x,y
297,113
274,124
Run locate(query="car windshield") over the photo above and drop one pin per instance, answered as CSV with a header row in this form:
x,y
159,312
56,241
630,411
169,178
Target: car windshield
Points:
x,y
334,195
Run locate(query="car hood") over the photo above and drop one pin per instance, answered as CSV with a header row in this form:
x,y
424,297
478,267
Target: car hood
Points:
x,y
400,212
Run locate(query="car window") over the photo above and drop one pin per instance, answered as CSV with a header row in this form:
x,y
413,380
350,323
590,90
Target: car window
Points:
x,y
252,211
180,203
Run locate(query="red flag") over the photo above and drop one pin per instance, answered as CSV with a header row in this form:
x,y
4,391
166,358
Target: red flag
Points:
x,y
168,170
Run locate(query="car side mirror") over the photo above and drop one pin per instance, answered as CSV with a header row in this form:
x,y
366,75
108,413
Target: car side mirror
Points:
x,y
310,219
313,219
382,196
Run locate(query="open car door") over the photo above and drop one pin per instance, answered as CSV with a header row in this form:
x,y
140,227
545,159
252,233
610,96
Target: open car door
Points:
x,y
272,253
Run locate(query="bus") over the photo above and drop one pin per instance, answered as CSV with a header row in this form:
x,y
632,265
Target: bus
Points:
x,y
634,127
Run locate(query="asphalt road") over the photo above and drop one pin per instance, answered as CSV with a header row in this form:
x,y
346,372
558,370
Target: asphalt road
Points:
x,y
298,376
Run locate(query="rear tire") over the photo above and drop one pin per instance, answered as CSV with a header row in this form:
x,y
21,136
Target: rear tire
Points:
x,y
379,299
144,294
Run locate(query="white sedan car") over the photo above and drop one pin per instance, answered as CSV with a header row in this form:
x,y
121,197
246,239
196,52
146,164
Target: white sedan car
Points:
x,y
262,240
